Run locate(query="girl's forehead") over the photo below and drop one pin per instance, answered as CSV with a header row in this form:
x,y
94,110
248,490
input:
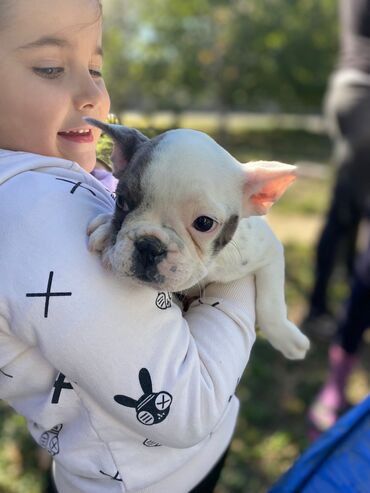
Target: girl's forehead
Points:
x,y
29,21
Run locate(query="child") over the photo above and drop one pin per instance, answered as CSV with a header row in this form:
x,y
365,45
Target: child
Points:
x,y
125,393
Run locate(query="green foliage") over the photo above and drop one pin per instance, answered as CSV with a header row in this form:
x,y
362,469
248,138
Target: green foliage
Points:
x,y
104,150
105,145
228,54
19,468
281,145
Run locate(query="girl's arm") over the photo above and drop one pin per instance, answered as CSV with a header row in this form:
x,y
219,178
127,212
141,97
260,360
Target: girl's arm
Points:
x,y
124,349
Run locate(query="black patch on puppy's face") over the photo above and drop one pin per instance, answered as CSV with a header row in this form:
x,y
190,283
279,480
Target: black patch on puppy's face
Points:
x,y
226,233
129,188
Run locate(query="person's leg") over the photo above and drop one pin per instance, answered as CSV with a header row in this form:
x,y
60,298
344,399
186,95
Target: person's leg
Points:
x,y
340,229
347,109
331,399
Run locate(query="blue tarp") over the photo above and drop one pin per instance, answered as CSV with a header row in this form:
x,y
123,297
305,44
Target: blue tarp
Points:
x,y
338,462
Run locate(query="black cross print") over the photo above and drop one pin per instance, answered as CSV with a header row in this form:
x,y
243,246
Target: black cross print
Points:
x,y
48,294
116,477
77,184
6,374
59,385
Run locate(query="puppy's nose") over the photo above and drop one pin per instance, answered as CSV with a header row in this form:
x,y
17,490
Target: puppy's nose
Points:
x,y
150,249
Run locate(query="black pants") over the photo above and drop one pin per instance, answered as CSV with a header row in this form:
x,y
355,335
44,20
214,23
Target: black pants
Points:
x,y
338,236
207,485
347,108
355,318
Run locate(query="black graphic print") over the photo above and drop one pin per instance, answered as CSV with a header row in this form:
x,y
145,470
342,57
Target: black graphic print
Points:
x,y
6,374
59,385
116,477
151,408
200,302
48,294
77,185
151,443
163,301
50,440
231,396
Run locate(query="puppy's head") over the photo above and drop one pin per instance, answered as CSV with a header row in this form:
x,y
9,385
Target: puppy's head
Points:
x,y
180,197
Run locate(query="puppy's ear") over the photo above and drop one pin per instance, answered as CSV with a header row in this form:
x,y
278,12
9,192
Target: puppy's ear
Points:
x,y
126,142
265,182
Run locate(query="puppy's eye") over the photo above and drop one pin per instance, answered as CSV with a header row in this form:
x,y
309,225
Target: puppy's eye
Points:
x,y
204,224
122,204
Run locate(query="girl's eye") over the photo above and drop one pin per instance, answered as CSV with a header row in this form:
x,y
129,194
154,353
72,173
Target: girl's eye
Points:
x,y
122,204
204,224
48,72
97,74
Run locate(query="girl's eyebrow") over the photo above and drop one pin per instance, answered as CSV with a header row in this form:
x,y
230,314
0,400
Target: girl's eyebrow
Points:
x,y
52,41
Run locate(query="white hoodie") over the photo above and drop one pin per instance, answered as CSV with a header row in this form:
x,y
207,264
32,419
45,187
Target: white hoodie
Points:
x,y
125,393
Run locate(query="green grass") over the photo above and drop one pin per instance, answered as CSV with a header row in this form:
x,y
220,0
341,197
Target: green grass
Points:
x,y
274,392
307,197
280,145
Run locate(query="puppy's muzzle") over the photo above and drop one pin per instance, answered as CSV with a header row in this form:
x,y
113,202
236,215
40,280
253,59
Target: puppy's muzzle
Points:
x,y
149,252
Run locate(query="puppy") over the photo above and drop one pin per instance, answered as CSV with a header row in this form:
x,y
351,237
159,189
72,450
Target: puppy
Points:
x,y
187,214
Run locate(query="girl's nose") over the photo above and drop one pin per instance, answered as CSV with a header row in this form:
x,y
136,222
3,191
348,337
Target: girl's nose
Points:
x,y
88,93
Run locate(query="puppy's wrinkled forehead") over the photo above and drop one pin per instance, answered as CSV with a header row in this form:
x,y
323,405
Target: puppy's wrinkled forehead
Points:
x,y
175,167
181,162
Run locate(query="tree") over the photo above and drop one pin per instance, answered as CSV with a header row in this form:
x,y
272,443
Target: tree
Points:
x,y
241,54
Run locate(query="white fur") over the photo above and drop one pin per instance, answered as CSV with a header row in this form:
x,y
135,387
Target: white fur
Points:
x,y
190,175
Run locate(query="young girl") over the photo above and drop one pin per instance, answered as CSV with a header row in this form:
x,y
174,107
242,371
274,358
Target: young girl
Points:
x,y
125,393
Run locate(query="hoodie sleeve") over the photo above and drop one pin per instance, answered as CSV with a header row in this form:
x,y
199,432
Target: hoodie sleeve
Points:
x,y
126,350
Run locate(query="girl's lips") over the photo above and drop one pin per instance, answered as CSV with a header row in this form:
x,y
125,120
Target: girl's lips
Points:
x,y
78,136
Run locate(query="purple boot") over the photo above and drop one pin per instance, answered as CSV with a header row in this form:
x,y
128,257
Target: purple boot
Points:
x,y
331,400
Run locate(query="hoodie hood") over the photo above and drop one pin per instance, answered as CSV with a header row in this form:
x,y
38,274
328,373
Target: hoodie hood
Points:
x,y
14,162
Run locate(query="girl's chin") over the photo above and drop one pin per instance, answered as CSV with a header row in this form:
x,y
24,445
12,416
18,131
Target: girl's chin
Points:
x,y
87,166
87,160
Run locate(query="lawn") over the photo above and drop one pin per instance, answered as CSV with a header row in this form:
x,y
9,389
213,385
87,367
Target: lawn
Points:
x,y
274,392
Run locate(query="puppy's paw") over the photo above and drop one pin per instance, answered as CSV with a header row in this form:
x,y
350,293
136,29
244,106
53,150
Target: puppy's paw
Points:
x,y
289,340
295,344
98,221
99,234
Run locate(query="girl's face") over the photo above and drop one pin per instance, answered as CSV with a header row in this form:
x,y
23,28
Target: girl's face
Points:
x,y
50,77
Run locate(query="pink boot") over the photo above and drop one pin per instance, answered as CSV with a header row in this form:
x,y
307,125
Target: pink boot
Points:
x,y
331,400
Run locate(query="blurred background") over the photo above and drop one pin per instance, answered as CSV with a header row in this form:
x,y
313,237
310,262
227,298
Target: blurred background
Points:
x,y
252,73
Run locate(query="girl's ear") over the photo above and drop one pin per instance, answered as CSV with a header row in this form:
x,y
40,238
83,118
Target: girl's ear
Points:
x,y
126,142
265,182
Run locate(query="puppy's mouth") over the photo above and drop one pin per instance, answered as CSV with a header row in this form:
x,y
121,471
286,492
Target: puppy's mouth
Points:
x,y
154,261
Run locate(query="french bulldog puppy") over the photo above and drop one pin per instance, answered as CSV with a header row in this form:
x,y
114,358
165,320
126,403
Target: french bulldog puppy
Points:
x,y
188,213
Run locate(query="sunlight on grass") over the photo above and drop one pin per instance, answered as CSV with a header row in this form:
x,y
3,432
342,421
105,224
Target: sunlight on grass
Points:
x,y
359,386
276,453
